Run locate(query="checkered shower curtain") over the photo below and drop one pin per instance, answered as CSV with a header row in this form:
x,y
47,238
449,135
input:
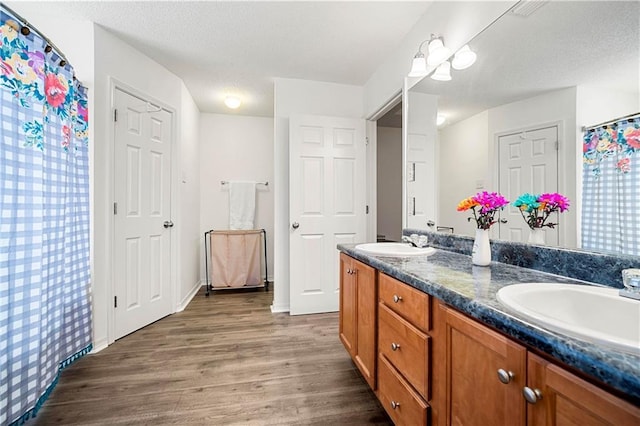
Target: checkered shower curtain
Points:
x,y
45,311
611,188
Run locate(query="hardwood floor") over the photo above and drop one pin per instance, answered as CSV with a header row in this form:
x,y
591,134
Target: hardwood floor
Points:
x,y
225,359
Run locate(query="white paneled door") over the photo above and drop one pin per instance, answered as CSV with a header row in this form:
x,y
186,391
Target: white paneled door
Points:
x,y
528,162
327,205
142,220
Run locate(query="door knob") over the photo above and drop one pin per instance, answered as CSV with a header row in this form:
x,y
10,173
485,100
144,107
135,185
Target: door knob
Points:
x,y
168,224
503,221
431,223
394,404
395,346
295,225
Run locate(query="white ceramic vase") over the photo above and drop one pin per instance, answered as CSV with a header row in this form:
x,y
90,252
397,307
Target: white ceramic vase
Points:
x,y
481,254
536,236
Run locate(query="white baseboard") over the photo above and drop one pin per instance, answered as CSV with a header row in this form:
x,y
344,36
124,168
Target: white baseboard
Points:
x,y
187,299
98,346
279,309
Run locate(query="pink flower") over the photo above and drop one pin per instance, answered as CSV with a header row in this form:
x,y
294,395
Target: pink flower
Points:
x,y
55,88
632,135
624,165
553,201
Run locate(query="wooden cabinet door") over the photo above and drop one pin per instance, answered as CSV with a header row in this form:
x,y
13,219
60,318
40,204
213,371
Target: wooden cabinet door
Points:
x,y
348,305
568,400
366,297
474,393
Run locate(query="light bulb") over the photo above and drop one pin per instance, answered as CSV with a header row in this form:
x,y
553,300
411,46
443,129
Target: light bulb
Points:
x,y
463,58
437,52
418,66
443,72
232,102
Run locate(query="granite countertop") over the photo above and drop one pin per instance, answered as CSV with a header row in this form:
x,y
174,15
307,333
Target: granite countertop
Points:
x,y
472,290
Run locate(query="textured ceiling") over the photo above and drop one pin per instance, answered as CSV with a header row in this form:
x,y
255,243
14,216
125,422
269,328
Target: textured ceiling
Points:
x,y
560,45
220,47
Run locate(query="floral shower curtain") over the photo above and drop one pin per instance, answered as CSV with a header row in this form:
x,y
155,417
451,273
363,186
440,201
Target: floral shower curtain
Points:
x,y
45,311
611,187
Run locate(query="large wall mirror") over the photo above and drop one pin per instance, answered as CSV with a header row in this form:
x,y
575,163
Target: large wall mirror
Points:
x,y
514,119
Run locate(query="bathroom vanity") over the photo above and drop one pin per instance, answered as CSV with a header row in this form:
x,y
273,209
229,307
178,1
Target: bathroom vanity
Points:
x,y
436,346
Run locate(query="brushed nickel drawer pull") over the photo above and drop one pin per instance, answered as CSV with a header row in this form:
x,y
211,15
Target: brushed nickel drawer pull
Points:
x,y
531,395
394,404
397,298
395,346
505,376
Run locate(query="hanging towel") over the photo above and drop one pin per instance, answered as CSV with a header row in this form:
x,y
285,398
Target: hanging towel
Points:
x,y
242,204
235,258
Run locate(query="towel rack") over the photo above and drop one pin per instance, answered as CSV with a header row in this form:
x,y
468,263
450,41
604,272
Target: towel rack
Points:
x,y
226,182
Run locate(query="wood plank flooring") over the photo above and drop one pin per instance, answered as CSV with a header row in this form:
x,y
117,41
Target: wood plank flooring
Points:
x,y
225,360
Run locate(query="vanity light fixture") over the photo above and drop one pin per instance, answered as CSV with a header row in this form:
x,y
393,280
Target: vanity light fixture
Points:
x,y
443,72
232,102
463,58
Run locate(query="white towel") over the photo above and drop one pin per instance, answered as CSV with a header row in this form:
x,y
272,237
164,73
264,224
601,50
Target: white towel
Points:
x,y
242,204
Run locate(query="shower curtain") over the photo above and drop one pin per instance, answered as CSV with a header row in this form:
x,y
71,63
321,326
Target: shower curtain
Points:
x,y
45,311
611,188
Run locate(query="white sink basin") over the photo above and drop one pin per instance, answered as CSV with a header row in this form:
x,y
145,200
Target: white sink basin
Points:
x,y
590,313
394,249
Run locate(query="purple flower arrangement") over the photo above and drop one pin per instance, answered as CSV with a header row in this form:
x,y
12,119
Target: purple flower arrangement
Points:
x,y
536,209
484,206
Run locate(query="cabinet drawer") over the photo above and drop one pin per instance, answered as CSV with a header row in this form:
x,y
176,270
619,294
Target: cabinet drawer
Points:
x,y
406,347
409,303
404,405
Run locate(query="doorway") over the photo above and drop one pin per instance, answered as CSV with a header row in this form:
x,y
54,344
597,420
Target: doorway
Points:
x,y
389,175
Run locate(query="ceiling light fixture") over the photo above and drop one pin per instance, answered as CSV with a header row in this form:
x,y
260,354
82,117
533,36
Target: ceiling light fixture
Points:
x,y
463,58
440,119
443,72
232,102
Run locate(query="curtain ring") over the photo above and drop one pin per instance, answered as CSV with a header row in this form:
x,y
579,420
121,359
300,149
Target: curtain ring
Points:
x,y
25,31
48,49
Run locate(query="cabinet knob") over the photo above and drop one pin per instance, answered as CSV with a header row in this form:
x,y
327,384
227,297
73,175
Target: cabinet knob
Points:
x,y
505,376
531,395
395,346
396,298
394,404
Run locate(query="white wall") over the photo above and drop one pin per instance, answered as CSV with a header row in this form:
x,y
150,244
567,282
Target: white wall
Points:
x,y
463,162
189,201
235,147
389,182
299,97
456,21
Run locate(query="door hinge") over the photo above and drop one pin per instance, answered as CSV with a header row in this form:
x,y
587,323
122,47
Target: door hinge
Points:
x,y
557,145
115,114
366,140
366,209
115,208
115,301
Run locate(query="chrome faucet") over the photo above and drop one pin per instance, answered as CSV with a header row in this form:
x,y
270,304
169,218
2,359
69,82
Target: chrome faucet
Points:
x,y
631,281
416,240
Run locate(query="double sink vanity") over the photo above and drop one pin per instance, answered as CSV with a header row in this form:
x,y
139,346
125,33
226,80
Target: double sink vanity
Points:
x,y
440,342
